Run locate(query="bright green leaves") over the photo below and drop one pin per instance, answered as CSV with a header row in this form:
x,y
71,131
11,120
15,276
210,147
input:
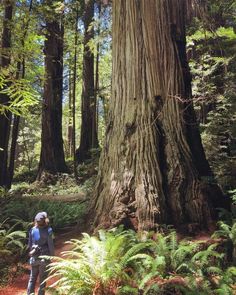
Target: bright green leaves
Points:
x,y
20,93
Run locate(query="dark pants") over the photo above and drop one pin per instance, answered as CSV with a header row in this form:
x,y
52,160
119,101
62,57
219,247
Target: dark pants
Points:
x,y
38,269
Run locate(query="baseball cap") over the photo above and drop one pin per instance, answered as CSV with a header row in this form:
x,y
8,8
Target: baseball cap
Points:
x,y
41,215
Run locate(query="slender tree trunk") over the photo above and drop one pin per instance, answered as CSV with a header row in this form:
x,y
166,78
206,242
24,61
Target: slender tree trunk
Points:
x,y
152,164
52,157
15,130
5,119
70,119
97,69
88,138
16,119
74,94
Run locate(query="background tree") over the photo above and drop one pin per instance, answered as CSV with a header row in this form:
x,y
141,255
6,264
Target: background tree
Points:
x,y
5,119
20,73
153,168
88,135
52,157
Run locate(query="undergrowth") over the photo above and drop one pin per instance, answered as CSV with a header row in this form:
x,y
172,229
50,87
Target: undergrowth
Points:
x,y
12,247
61,213
118,262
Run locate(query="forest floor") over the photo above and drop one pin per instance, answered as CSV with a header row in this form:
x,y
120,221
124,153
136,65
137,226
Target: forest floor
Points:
x,y
18,284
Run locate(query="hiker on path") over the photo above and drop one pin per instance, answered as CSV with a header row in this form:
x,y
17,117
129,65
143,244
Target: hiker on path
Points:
x,y
40,243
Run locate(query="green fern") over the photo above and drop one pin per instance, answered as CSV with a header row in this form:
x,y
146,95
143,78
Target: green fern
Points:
x,y
97,262
203,258
117,262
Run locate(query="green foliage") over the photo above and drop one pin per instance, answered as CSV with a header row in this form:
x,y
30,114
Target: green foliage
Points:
x,y
98,263
226,231
12,245
211,48
117,262
10,240
60,184
28,143
3,192
20,93
233,196
61,213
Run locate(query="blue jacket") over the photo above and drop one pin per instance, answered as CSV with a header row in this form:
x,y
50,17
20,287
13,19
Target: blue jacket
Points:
x,y
43,237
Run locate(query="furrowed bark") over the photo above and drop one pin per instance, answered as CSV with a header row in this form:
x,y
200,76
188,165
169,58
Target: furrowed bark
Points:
x,y
88,137
52,157
149,168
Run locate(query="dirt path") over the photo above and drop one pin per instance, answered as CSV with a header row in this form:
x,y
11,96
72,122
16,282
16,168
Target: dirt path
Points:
x,y
19,284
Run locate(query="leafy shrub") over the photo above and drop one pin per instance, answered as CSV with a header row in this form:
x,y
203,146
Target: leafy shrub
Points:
x,y
23,174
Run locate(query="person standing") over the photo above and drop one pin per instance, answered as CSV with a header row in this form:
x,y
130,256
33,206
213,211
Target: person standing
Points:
x,y
40,243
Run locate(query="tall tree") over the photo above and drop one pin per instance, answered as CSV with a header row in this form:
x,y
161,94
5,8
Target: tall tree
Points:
x,y
52,157
15,131
5,119
88,137
16,120
153,168
70,119
96,85
74,93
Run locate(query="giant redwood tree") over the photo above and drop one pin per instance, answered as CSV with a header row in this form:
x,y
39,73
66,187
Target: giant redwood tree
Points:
x,y
88,134
153,168
52,157
5,119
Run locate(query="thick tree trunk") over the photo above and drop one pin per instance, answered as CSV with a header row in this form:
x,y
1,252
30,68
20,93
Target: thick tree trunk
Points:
x,y
52,157
5,119
88,137
153,162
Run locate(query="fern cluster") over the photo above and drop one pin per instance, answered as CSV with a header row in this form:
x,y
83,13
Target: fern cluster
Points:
x,y
12,245
117,262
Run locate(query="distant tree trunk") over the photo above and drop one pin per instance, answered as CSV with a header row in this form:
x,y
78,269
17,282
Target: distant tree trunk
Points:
x,y
5,119
153,168
70,123
74,95
96,90
52,157
16,119
14,136
88,138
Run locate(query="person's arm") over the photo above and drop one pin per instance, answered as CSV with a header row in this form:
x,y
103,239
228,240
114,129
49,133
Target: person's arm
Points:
x,y
50,242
